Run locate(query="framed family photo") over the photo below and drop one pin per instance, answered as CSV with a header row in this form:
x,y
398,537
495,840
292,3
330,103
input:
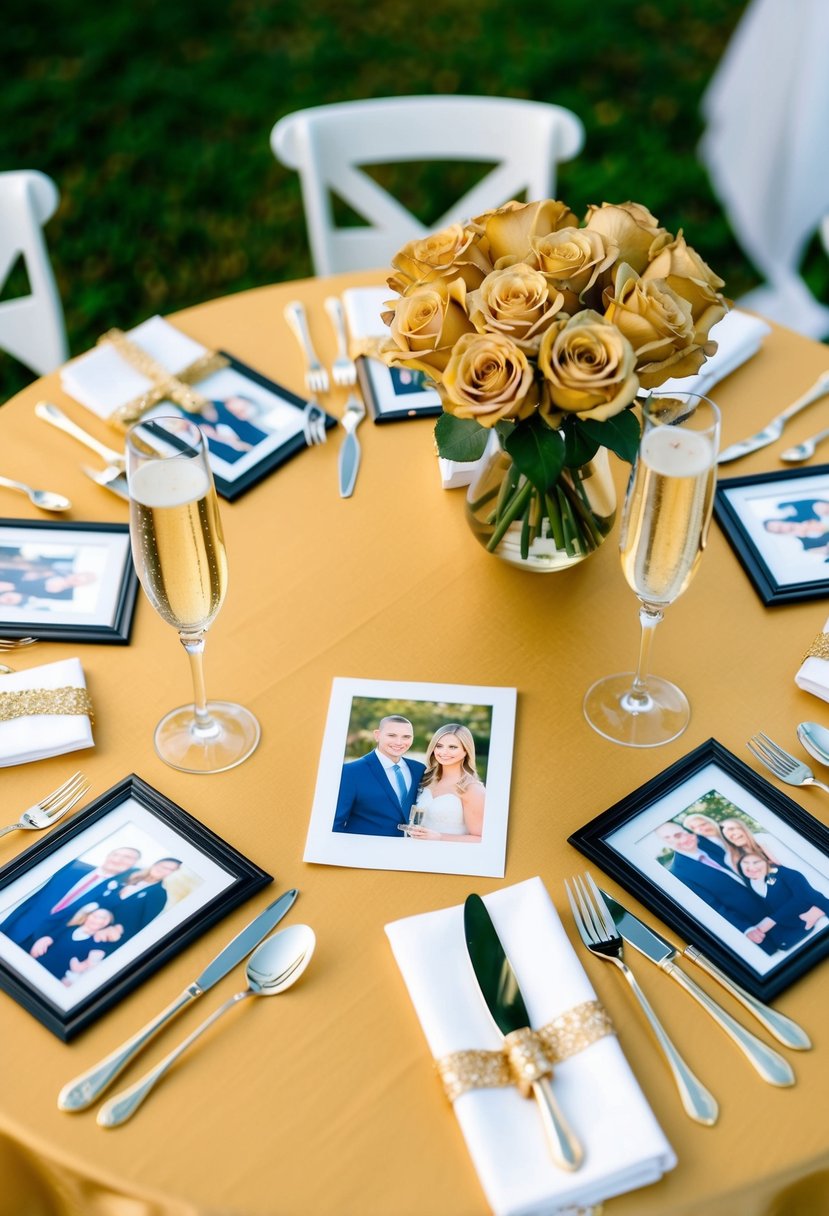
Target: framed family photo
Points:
x,y
105,900
72,582
733,865
778,525
414,776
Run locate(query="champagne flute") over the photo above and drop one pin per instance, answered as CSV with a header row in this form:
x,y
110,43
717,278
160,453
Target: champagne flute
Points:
x,y
663,534
415,819
179,555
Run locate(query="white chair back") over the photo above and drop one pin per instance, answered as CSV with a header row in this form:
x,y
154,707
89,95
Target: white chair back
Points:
x,y
327,145
31,327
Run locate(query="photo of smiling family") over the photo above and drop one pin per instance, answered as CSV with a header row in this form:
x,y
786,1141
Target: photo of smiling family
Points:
x,y
414,765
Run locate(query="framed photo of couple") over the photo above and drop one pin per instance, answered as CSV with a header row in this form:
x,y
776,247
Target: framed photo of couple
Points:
x,y
414,776
737,869
109,896
778,526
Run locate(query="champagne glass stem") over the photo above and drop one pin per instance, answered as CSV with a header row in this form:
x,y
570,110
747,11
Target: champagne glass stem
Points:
x,y
193,643
639,696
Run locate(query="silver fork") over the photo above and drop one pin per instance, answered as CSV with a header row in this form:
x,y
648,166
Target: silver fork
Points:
x,y
316,377
51,808
599,934
343,369
313,424
16,643
782,763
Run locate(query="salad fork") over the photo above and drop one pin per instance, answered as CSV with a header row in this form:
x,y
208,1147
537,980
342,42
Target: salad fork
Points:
x,y
601,937
313,424
316,377
16,643
782,763
51,808
343,369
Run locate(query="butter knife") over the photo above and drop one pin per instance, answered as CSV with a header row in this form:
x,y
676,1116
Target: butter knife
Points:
x,y
83,1091
765,1060
349,456
784,1029
502,995
774,429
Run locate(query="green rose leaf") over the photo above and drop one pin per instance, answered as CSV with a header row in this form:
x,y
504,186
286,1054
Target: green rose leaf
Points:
x,y
621,433
538,452
579,446
460,439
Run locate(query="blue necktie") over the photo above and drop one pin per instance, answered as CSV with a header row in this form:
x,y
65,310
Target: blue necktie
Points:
x,y
401,783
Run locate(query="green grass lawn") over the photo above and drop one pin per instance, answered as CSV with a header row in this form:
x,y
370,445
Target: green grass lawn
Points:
x,y
153,119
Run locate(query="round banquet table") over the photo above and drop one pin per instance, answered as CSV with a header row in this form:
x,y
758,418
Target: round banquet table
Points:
x,y
325,1101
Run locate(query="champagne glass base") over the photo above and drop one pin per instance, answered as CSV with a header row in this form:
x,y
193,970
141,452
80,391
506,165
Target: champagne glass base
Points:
x,y
180,743
658,718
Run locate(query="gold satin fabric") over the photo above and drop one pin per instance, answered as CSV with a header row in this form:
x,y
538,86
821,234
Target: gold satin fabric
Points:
x,y
324,1100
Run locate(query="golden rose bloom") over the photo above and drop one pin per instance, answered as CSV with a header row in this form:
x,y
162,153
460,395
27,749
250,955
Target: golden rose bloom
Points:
x,y
589,366
630,227
573,259
517,302
425,324
688,275
450,253
488,378
507,233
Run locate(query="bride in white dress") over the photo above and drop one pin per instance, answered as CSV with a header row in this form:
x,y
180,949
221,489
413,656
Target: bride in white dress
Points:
x,y
451,794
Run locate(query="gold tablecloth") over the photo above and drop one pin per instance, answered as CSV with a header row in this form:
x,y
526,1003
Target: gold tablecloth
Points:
x,y
325,1101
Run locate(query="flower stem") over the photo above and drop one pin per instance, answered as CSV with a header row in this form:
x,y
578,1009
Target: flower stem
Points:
x,y
511,512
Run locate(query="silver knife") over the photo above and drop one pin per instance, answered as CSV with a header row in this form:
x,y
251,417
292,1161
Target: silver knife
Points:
x,y
774,429
768,1063
499,989
784,1029
349,456
83,1091
54,415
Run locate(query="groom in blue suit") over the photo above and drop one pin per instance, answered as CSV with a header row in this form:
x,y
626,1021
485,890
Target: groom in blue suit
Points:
x,y
698,864
378,790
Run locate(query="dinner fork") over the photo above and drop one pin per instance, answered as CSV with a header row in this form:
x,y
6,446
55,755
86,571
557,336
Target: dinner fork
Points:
x,y
51,808
343,369
600,936
316,377
782,763
16,643
313,424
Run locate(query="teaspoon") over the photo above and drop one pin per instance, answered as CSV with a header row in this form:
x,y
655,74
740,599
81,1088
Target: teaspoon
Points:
x,y
272,968
802,451
46,500
815,739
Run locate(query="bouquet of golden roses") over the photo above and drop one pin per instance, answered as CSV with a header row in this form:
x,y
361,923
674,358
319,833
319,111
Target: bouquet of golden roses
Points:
x,y
546,328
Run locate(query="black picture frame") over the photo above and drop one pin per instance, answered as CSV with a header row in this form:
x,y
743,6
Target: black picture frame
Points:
x,y
220,879
394,394
782,568
262,392
100,611
612,840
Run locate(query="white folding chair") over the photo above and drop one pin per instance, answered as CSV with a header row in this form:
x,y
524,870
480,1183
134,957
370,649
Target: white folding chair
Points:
x,y
327,145
31,327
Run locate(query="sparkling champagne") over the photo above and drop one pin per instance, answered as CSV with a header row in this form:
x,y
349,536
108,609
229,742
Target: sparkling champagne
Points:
x,y
177,541
666,520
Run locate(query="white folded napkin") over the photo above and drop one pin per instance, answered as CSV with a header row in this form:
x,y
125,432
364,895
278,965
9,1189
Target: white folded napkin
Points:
x,y
624,1147
103,382
37,736
738,336
813,673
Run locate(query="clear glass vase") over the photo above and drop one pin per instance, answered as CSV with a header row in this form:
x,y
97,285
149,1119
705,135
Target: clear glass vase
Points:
x,y
541,533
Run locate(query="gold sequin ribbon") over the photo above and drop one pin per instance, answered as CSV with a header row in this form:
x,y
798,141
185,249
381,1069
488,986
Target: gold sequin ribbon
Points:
x,y
165,385
819,648
527,1055
67,700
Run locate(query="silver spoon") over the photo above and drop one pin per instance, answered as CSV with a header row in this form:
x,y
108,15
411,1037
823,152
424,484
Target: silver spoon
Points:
x,y
802,451
46,500
272,968
815,739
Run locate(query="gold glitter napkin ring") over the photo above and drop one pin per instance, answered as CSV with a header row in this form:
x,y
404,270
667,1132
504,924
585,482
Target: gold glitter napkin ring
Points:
x,y
527,1055
165,385
819,648
67,700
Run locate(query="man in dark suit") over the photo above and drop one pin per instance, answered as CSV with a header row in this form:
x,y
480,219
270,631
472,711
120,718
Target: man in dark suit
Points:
x,y
64,893
698,864
378,790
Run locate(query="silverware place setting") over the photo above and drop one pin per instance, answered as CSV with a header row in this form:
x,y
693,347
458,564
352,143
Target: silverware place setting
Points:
x,y
16,643
53,807
316,377
782,763
44,500
349,454
774,429
343,369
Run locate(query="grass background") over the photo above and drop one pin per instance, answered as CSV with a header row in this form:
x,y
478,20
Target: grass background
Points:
x,y
153,118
